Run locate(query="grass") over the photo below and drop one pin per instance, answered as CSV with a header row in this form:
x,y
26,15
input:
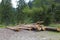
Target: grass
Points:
x,y
54,33
55,25
2,26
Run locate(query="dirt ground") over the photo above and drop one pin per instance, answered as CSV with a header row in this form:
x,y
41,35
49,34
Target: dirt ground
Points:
x,y
6,34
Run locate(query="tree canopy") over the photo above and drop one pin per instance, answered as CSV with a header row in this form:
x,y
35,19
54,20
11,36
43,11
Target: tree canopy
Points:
x,y
36,10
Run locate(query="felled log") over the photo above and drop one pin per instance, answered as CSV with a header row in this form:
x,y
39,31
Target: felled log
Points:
x,y
19,28
58,29
26,28
13,28
52,29
33,26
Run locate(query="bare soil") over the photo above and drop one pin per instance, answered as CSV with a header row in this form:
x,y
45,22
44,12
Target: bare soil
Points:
x,y
6,34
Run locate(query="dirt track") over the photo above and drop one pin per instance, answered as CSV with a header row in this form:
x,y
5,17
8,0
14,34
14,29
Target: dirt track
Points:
x,y
6,34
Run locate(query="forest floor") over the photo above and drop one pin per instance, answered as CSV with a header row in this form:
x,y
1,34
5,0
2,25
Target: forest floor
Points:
x,y
6,34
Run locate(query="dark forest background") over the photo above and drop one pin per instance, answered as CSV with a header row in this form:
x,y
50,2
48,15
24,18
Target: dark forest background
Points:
x,y
36,10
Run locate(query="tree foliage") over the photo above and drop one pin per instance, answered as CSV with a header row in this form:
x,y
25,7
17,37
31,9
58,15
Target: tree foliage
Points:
x,y
5,11
37,10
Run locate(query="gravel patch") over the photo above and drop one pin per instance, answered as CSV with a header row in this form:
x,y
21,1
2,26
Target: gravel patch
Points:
x,y
6,34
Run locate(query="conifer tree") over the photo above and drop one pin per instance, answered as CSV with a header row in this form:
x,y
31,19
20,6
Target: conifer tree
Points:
x,y
6,11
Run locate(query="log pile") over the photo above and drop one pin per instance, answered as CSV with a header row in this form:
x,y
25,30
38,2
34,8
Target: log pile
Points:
x,y
37,26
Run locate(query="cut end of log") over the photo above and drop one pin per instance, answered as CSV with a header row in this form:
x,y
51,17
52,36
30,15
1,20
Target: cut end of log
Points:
x,y
58,29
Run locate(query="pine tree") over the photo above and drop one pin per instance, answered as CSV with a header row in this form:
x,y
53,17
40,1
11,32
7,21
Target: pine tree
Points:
x,y
6,11
21,5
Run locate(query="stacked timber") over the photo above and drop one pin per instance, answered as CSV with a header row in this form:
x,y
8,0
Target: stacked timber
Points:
x,y
37,26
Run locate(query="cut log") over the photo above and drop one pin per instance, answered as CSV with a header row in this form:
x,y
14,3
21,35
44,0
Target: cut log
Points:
x,y
25,28
52,29
19,28
13,28
58,29
31,26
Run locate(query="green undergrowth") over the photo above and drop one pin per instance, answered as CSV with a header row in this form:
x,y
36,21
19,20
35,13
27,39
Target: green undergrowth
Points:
x,y
54,25
2,26
54,33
